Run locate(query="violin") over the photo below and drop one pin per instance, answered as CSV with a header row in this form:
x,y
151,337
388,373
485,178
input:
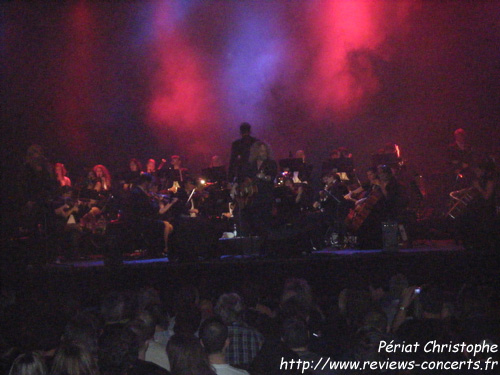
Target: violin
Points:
x,y
162,198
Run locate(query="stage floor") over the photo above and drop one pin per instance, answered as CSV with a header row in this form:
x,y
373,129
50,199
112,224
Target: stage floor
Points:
x,y
139,259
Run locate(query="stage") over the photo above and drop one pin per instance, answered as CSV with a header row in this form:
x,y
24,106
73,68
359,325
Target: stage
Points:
x,y
327,270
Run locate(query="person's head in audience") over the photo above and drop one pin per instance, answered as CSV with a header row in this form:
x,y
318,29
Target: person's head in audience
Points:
x,y
146,297
299,288
113,307
354,304
159,316
30,363
72,359
397,284
366,344
214,338
82,329
376,319
187,356
294,307
187,321
229,308
144,328
295,334
187,297
118,350
431,301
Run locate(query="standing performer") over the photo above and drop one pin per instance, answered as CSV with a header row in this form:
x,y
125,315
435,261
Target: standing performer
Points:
x,y
260,172
240,152
37,186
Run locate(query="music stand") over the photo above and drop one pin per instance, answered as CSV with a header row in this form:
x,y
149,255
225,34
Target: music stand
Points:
x,y
385,159
292,164
214,174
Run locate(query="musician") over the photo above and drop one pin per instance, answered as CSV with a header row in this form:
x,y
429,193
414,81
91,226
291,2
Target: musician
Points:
x,y
131,176
103,176
60,172
477,225
290,201
188,200
340,161
359,195
141,212
460,157
261,170
331,195
216,172
331,163
63,222
37,186
395,196
240,153
195,235
305,169
151,167
177,173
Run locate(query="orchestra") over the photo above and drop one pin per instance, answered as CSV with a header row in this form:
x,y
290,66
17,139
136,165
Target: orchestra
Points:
x,y
255,195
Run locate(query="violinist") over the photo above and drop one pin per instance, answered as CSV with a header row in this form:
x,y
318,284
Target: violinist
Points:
x,y
331,195
189,199
142,211
63,223
130,177
291,200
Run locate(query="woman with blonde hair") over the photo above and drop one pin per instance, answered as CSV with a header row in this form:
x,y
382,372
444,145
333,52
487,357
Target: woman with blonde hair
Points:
x,y
103,178
60,172
260,172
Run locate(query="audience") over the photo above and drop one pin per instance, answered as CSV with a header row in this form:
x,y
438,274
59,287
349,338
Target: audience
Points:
x,y
187,356
214,337
245,342
73,359
30,363
117,336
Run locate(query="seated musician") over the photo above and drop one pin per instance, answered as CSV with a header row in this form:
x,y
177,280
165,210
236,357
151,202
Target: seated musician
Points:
x,y
64,224
103,176
188,201
129,177
387,200
305,170
195,235
360,194
141,213
460,158
290,200
332,193
176,173
61,175
261,172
